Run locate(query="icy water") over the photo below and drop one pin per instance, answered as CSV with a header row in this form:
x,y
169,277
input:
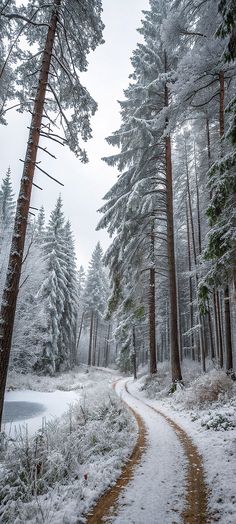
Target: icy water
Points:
x,y
14,411
30,409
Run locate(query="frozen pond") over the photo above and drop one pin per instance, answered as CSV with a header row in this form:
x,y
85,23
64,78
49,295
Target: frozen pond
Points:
x,y
31,408
21,410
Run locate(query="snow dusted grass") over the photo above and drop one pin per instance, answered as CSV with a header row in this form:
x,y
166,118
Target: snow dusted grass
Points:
x,y
57,475
206,408
68,381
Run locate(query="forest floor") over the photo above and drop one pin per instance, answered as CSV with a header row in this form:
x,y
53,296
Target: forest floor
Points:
x,y
180,465
185,470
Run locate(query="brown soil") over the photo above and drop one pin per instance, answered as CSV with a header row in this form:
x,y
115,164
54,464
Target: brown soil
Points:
x,y
106,505
195,511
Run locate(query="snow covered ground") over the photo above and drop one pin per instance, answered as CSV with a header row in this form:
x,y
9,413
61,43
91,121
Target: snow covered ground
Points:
x,y
212,426
58,474
53,394
55,476
54,404
155,495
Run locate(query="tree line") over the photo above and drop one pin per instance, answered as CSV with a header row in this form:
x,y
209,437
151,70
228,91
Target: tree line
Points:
x,y
171,212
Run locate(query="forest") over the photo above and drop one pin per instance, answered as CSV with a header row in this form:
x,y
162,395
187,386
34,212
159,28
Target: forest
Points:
x,y
155,310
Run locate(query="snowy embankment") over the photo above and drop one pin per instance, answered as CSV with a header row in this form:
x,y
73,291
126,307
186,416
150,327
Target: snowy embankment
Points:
x,y
206,409
57,475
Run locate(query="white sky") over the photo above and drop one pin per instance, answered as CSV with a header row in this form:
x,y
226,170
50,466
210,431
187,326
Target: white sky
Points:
x,y
85,185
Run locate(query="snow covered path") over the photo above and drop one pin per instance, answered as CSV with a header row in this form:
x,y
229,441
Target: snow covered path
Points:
x,y
167,485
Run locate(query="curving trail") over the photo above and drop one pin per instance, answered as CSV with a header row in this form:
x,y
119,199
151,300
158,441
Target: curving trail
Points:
x,y
163,482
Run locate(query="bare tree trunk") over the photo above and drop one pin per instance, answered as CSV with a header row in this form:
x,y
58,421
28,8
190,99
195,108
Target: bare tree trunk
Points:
x,y
107,346
95,341
152,308
201,332
228,339
134,354
198,203
227,318
190,287
10,293
219,322
174,345
79,335
90,340
152,322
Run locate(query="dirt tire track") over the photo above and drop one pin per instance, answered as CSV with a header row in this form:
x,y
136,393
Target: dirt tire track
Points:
x,y
106,505
196,508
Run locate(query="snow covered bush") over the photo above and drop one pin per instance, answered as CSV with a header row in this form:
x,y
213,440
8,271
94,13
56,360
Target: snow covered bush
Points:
x,y
218,421
73,458
158,385
206,388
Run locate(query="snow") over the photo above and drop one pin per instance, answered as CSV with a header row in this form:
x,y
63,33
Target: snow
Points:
x,y
86,448
54,403
59,473
212,427
155,495
55,394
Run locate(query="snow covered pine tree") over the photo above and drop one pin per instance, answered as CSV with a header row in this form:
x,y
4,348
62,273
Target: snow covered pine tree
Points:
x,y
64,35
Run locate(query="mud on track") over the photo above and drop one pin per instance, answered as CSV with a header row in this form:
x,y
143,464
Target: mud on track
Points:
x,y
196,492
106,505
196,496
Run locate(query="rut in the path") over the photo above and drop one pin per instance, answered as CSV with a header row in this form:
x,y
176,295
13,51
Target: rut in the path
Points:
x,y
106,505
195,510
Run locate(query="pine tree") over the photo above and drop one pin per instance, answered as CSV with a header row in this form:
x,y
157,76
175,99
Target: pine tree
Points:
x,y
40,226
7,204
63,36
8,55
95,298
145,187
7,207
53,292
68,323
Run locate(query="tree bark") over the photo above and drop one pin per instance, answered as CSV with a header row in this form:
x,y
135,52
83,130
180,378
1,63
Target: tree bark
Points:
x,y
190,287
152,308
10,293
79,335
174,346
228,339
227,318
201,322
107,346
134,354
152,322
95,342
90,340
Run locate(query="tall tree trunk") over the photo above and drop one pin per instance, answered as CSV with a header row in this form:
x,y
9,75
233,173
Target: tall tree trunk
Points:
x,y
95,341
228,339
201,330
227,318
90,339
220,330
107,346
10,293
190,287
79,335
174,345
152,308
134,354
152,322
197,202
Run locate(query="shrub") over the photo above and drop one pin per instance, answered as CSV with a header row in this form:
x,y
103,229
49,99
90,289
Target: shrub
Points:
x,y
207,388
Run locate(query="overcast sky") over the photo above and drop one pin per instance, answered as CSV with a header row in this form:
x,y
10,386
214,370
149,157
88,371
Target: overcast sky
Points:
x,y
85,185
